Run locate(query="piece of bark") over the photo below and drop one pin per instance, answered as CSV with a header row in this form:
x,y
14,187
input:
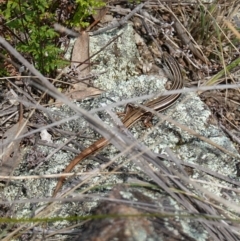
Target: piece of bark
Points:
x,y
186,40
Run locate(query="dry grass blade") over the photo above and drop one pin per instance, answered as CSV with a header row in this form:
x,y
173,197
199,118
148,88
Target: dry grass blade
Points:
x,y
223,72
227,69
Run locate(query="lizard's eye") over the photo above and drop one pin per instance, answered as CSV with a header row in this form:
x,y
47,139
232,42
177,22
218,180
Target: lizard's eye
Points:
x,y
158,62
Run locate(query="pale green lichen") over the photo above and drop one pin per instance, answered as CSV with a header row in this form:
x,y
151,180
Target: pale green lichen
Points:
x,y
117,59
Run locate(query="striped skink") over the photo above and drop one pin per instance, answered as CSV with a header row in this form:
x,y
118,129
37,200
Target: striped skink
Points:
x,y
172,69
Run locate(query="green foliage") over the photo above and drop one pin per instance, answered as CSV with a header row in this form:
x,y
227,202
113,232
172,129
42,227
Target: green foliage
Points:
x,y
84,9
31,20
30,24
3,71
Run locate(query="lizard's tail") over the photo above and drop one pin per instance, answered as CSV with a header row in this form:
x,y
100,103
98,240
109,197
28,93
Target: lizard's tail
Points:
x,y
96,146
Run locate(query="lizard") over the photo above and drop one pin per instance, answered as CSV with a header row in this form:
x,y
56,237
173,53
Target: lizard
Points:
x,y
173,72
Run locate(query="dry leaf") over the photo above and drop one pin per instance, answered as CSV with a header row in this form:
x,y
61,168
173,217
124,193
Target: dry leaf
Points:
x,y
99,14
80,54
45,136
82,94
9,152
